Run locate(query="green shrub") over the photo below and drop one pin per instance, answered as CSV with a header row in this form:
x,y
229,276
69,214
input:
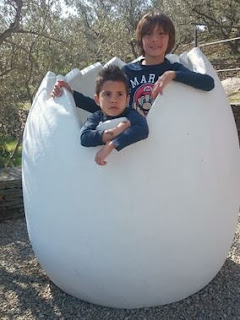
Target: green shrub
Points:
x,y
7,146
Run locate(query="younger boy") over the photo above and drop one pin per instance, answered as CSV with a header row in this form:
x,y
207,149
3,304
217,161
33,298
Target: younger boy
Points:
x,y
112,98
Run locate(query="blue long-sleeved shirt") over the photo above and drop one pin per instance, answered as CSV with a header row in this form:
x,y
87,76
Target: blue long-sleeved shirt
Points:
x,y
141,80
91,136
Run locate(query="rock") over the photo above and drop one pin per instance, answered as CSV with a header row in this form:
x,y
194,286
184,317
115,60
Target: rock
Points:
x,y
231,85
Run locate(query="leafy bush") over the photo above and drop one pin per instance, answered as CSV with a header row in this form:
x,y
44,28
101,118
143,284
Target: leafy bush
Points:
x,y
7,146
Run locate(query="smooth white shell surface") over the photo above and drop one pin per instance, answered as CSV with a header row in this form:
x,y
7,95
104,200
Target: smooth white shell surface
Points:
x,y
153,226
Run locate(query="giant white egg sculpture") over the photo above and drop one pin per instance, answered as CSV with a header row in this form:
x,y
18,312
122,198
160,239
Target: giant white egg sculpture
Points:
x,y
153,226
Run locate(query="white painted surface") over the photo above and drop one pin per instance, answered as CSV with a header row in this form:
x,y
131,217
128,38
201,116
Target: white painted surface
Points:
x,y
153,226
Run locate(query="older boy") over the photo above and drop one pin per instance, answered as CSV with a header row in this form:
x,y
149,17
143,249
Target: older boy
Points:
x,y
147,77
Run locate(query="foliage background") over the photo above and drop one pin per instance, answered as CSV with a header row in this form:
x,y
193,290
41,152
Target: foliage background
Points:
x,y
41,35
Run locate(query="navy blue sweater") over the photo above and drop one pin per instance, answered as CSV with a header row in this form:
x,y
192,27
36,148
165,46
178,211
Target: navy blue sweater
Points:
x,y
91,136
141,80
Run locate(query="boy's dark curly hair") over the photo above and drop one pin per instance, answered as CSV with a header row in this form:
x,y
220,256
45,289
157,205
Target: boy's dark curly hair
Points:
x,y
110,73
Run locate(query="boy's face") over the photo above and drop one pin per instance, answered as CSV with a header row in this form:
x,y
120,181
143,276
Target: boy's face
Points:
x,y
155,43
112,98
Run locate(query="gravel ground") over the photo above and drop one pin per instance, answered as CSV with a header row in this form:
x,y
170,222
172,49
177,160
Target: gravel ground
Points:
x,y
27,293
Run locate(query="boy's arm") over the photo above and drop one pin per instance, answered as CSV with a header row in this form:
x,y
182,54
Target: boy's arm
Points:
x,y
111,134
181,74
90,136
85,103
193,79
102,154
136,132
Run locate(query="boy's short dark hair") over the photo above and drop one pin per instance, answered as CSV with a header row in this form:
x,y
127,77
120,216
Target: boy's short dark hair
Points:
x,y
111,73
148,22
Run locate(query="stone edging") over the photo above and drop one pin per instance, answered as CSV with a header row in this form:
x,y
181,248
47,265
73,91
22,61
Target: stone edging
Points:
x,y
11,197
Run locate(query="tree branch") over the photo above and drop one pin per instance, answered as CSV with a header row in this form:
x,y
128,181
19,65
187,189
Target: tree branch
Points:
x,y
40,34
14,27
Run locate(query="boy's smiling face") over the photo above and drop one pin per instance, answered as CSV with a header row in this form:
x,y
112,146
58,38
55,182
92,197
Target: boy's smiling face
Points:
x,y
112,98
155,43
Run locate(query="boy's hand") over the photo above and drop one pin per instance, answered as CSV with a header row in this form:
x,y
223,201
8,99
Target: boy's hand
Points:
x,y
111,134
102,154
57,90
162,81
123,125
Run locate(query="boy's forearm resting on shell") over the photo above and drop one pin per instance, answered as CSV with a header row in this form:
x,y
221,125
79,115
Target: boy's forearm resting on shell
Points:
x,y
111,134
183,75
138,130
194,79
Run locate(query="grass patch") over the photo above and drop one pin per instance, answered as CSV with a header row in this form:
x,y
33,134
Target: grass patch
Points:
x,y
7,147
